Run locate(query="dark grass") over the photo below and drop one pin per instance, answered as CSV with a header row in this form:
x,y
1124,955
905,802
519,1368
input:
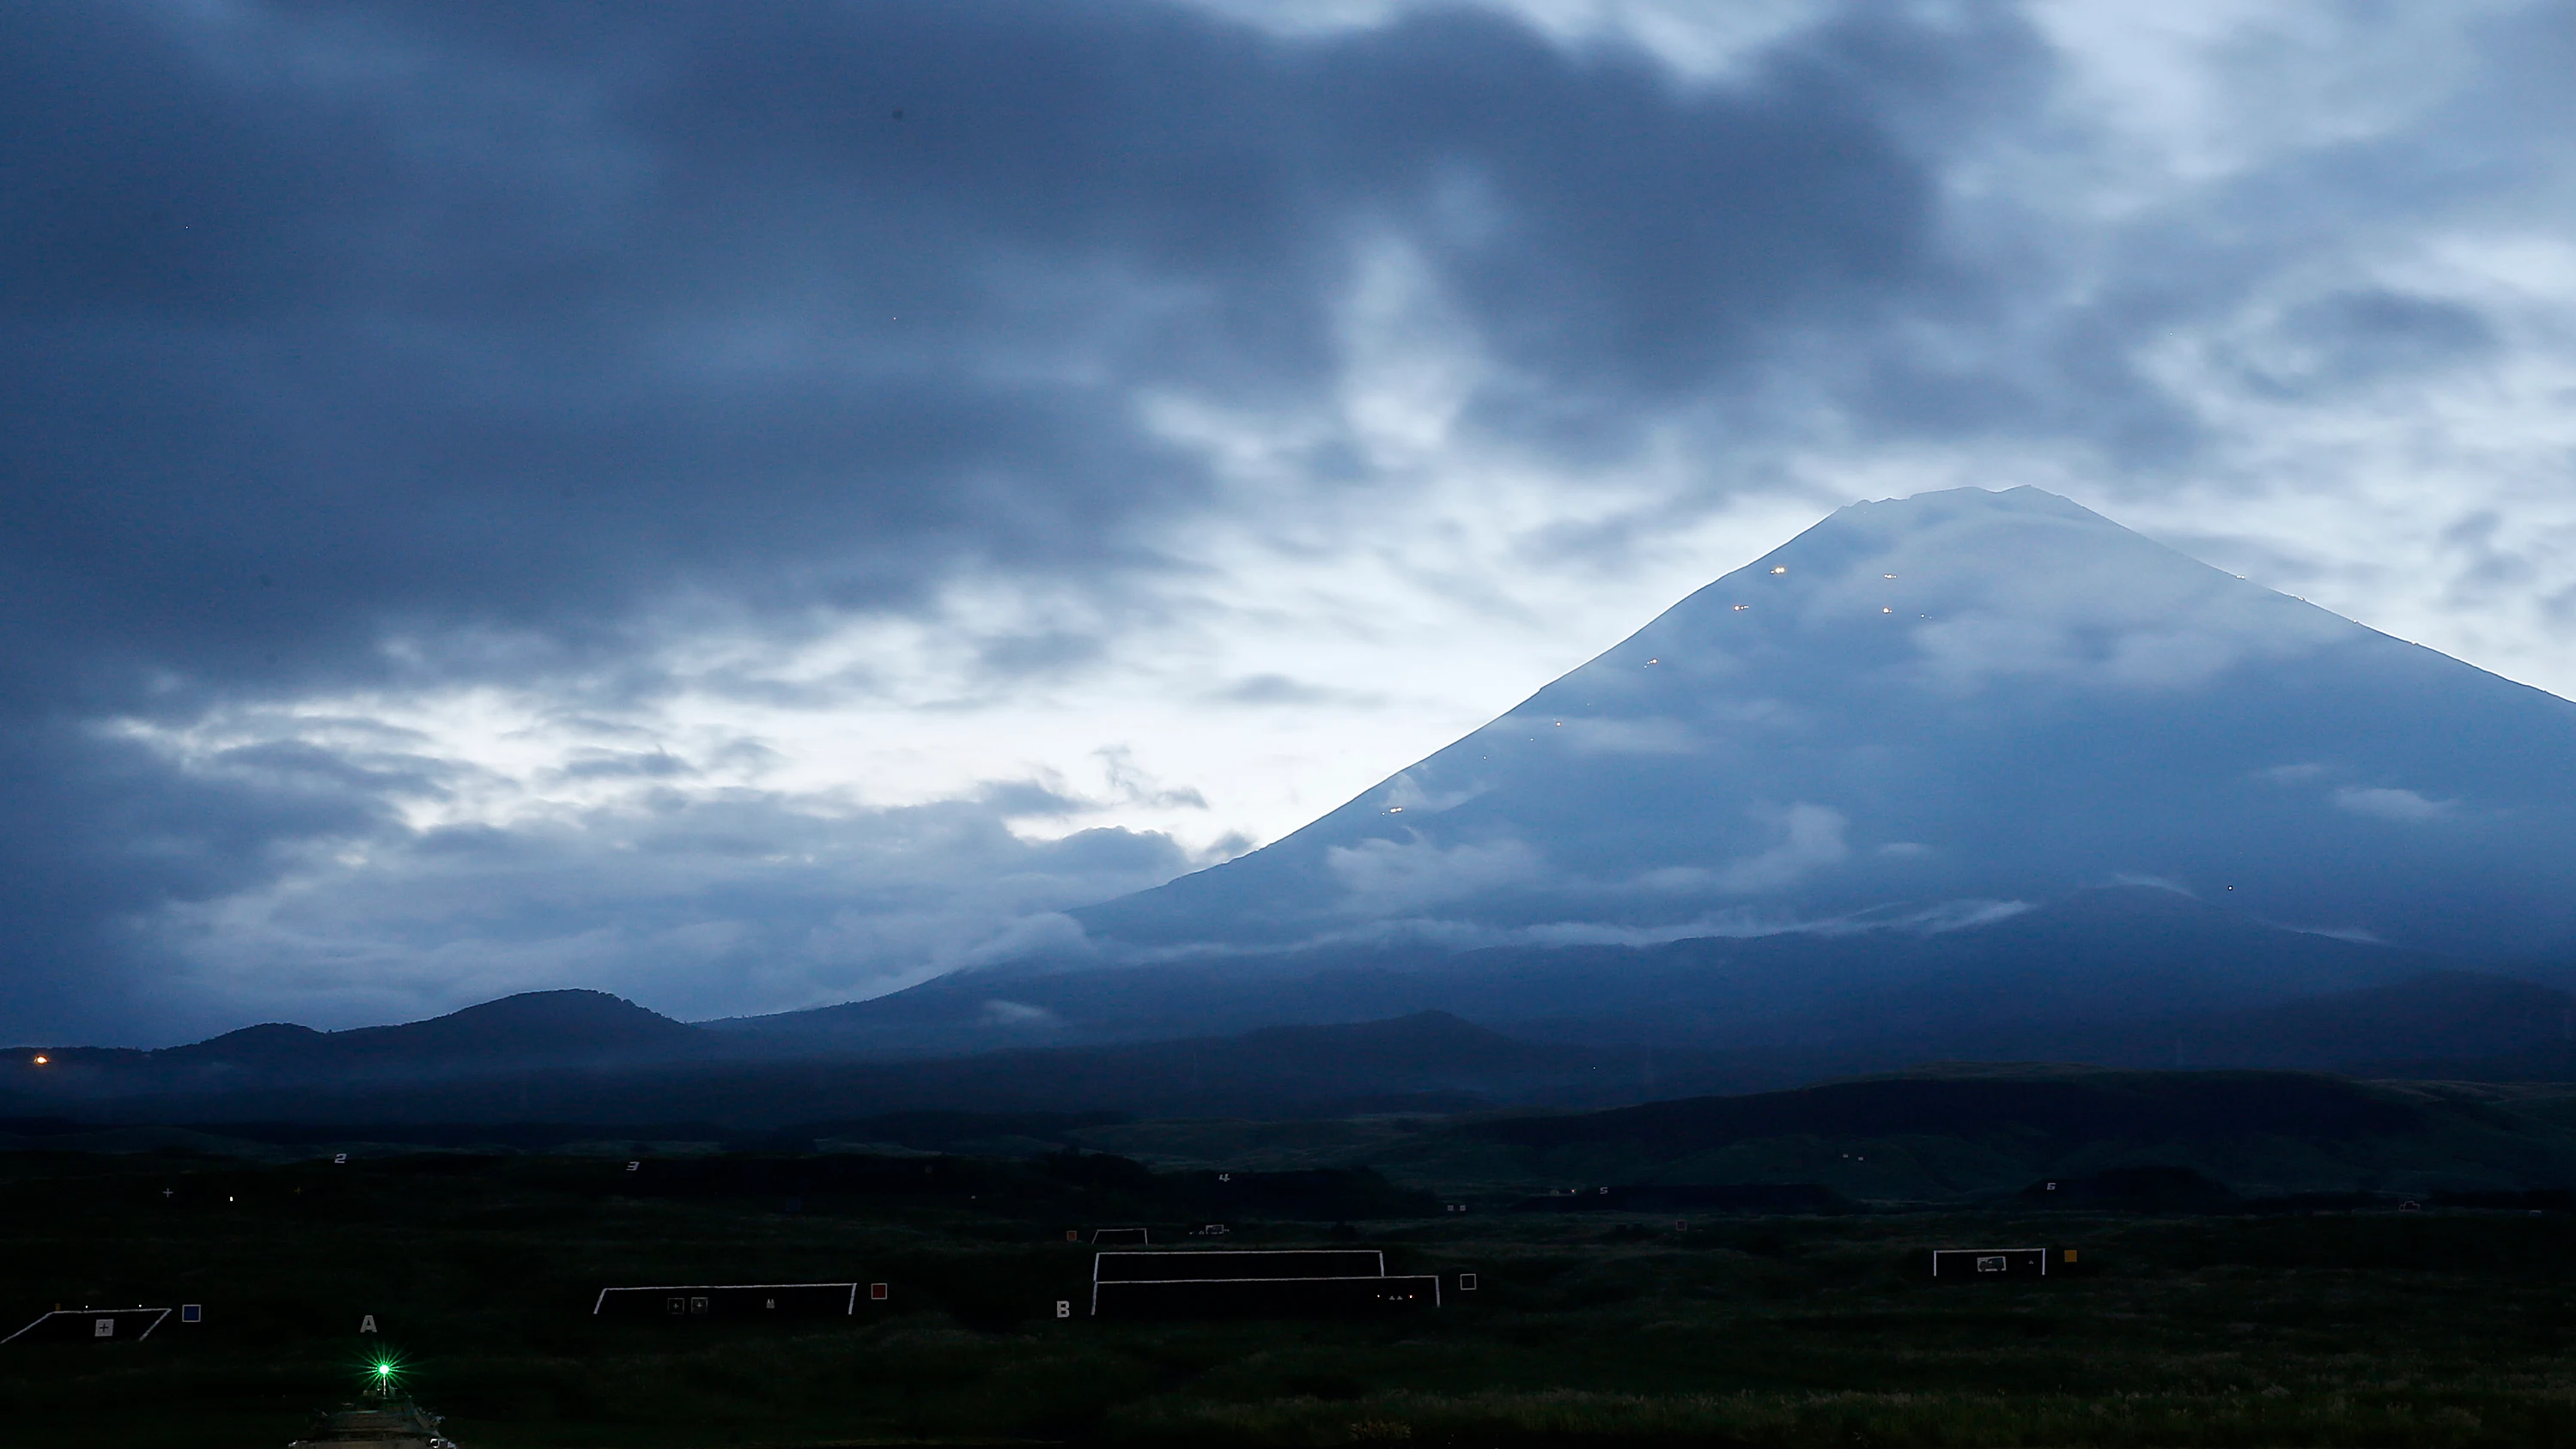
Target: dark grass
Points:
x,y
2370,1328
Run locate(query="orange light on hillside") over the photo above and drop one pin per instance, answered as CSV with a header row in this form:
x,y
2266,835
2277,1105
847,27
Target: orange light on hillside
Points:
x,y
41,1059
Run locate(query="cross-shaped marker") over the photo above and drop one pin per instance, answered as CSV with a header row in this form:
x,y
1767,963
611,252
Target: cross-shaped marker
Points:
x,y
169,1192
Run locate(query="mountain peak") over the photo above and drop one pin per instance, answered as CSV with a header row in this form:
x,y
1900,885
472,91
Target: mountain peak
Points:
x,y
1963,589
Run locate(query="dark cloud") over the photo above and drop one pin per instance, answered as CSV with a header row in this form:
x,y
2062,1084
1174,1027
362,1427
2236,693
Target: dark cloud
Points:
x,y
435,318
1017,656
100,833
2357,337
1267,690
625,765
393,344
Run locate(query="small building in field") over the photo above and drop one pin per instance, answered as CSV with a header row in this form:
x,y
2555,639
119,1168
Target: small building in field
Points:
x,y
1325,1282
1989,1265
735,1302
91,1325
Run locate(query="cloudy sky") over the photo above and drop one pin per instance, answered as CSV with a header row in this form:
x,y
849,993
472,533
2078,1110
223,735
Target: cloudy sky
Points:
x,y
749,505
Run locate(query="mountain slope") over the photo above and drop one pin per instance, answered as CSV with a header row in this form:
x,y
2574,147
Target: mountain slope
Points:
x,y
1928,705
2110,975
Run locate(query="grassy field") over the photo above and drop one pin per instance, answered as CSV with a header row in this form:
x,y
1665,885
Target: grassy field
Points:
x,y
2376,1327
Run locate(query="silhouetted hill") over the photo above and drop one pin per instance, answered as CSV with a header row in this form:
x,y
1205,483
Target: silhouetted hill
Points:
x,y
532,1031
2440,1015
533,1026
1685,1018
1952,1133
2075,1107
1426,1062
275,1043
1988,1131
2553,1061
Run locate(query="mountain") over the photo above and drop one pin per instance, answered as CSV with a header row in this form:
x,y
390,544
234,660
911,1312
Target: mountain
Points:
x,y
549,1026
532,1031
1924,709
